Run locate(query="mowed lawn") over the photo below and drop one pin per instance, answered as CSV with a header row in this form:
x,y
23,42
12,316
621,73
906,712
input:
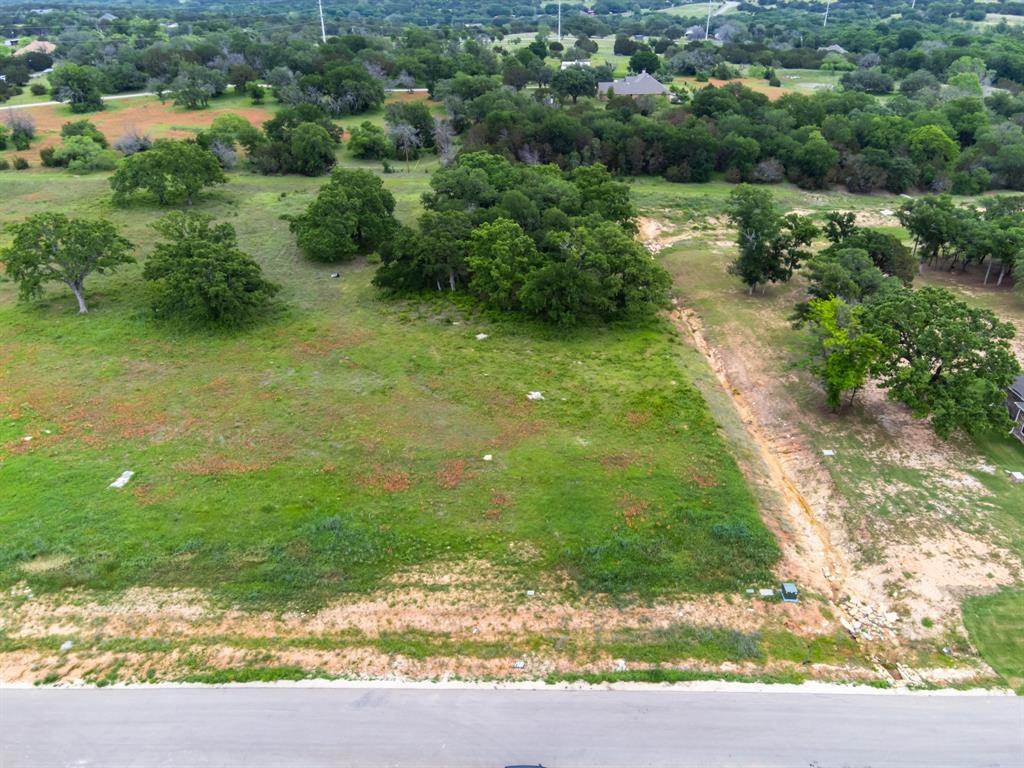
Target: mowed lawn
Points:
x,y
996,623
345,438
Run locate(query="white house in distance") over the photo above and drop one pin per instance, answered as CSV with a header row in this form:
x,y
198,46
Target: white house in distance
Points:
x,y
574,63
634,85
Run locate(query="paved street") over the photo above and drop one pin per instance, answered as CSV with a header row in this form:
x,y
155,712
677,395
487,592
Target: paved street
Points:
x,y
323,726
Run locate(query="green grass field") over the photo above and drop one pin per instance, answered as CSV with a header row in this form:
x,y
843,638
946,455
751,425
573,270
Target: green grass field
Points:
x,y
996,624
343,439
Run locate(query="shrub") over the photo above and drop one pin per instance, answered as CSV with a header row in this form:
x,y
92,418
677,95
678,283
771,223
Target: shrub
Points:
x,y
4,165
22,129
82,154
768,171
38,89
20,163
131,141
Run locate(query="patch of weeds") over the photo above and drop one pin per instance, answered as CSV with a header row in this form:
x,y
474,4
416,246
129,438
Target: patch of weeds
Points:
x,y
254,675
664,675
49,679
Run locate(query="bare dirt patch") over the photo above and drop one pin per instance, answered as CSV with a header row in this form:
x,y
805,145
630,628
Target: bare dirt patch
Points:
x,y
161,121
46,563
220,465
479,625
651,234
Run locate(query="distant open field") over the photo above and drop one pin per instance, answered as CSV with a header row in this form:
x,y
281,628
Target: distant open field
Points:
x,y
164,120
700,10
991,19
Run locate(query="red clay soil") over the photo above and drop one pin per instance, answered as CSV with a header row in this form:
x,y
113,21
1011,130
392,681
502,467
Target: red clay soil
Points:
x,y
144,115
754,84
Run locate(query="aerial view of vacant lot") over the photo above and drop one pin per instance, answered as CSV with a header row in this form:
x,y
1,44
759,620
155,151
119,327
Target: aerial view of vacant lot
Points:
x,y
404,463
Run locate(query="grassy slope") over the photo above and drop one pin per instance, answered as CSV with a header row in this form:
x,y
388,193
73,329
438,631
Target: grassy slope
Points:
x,y
699,270
996,624
319,452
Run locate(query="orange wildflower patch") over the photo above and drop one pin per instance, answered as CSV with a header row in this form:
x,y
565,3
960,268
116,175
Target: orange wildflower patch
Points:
x,y
387,480
452,474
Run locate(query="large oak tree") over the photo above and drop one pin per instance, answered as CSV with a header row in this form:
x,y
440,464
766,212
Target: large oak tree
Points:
x,y
50,247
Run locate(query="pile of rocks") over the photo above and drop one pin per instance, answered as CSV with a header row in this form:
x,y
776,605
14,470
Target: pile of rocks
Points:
x,y
869,622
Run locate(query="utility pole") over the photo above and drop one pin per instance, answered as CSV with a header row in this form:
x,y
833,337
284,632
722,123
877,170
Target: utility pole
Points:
x,y
707,27
323,29
559,20
827,4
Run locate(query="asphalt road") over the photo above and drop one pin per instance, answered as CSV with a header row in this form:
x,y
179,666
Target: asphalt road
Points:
x,y
116,97
449,728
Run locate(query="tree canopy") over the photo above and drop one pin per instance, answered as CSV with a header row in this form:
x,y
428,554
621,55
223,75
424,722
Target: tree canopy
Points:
x,y
771,246
352,214
170,170
50,247
943,358
199,274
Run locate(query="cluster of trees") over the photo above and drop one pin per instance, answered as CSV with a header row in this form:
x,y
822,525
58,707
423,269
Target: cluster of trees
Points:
x,y
352,214
772,246
535,240
195,53
939,356
197,274
16,71
964,144
300,139
554,245
950,235
170,170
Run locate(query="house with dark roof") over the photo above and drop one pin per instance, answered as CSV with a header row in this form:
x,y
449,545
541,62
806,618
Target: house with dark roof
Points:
x,y
634,85
1015,404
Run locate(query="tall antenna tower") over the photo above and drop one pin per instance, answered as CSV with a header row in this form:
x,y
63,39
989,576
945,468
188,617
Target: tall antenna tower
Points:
x,y
827,4
707,27
323,29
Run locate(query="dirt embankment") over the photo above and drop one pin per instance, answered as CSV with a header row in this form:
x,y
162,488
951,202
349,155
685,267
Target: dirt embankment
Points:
x,y
450,620
921,565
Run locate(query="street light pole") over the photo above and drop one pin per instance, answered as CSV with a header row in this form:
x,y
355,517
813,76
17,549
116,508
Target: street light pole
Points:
x,y
323,29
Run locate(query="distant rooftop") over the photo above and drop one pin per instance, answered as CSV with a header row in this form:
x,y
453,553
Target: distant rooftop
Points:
x,y
634,85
